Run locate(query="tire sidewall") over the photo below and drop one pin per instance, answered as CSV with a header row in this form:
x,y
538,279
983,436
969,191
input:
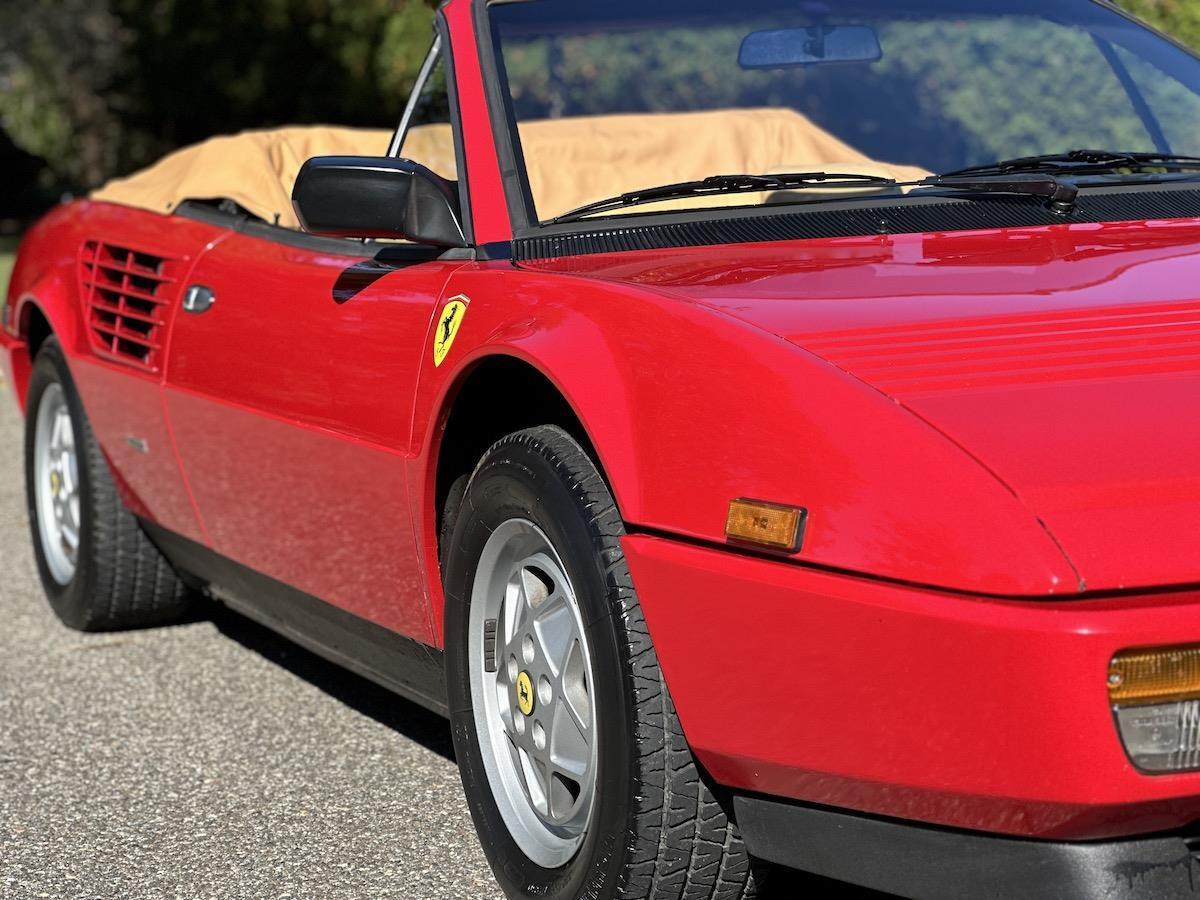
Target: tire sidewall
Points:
x,y
520,482
68,601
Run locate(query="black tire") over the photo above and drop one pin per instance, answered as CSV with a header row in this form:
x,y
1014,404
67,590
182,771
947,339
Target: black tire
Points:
x,y
121,581
658,830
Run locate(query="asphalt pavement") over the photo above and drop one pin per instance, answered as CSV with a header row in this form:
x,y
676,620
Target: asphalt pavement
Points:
x,y
211,760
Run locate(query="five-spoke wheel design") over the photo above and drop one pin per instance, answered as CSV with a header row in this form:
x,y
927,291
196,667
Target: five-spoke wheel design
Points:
x,y
531,681
56,479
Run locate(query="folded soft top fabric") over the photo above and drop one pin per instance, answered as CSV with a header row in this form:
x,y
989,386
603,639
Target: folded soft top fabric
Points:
x,y
571,161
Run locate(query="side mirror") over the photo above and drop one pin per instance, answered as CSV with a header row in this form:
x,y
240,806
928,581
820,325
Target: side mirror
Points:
x,y
377,197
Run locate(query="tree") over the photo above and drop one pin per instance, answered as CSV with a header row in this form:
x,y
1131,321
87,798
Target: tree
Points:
x,y
1179,18
97,88
57,65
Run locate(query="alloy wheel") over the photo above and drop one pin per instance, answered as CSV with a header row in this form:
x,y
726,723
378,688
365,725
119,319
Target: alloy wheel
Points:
x,y
532,687
56,474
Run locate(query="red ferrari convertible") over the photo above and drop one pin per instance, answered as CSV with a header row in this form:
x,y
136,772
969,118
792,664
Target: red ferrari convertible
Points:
x,y
770,432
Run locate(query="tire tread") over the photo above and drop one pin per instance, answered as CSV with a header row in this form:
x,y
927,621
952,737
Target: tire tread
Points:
x,y
682,845
140,586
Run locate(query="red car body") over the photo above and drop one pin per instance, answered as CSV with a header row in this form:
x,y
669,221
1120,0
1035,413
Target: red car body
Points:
x,y
993,431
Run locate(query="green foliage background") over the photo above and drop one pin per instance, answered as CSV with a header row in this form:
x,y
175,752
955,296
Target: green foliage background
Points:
x,y
90,89
8,249
1180,18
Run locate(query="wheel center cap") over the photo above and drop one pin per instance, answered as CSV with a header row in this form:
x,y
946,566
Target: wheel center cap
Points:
x,y
525,694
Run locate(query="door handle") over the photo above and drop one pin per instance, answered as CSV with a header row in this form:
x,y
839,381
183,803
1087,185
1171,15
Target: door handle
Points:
x,y
198,299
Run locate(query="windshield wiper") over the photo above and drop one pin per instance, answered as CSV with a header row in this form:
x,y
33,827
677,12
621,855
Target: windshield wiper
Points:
x,y
1081,162
1060,195
722,184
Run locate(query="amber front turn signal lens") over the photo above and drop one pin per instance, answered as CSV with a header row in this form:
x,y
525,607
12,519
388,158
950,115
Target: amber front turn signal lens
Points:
x,y
1143,677
1155,695
766,524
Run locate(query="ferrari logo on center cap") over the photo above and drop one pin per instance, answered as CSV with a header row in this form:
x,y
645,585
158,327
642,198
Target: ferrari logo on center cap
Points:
x,y
525,694
447,327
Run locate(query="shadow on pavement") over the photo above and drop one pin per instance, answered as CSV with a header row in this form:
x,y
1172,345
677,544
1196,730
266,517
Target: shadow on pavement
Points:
x,y
433,732
415,722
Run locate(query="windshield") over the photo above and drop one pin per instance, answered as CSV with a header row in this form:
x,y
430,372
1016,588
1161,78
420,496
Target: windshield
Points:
x,y
613,96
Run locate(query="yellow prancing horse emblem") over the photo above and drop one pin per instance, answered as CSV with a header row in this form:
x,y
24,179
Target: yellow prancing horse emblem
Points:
x,y
525,694
447,327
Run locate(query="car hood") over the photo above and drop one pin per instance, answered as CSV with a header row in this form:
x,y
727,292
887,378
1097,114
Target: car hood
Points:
x,y
1064,360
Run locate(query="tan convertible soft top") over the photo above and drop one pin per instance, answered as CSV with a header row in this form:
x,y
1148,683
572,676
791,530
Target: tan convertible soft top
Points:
x,y
571,161
255,169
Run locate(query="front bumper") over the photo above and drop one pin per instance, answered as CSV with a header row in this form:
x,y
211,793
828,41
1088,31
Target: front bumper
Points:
x,y
933,863
920,705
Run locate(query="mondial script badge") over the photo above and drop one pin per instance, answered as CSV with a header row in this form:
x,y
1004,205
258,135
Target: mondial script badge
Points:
x,y
525,694
448,324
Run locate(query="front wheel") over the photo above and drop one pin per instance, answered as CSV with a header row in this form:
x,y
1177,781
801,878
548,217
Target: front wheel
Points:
x,y
573,760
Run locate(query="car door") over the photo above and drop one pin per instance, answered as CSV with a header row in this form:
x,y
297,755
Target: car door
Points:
x,y
291,397
290,388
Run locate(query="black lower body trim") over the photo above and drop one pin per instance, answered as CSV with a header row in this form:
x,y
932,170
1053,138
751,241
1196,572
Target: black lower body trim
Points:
x,y
410,668
929,862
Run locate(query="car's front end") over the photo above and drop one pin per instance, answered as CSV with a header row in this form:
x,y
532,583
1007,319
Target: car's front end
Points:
x,y
934,744
974,671
984,648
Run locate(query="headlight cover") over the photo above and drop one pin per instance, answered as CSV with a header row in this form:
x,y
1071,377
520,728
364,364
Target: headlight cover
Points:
x,y
1155,696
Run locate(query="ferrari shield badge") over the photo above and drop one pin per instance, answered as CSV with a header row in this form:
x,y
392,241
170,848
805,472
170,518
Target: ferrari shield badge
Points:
x,y
525,694
448,324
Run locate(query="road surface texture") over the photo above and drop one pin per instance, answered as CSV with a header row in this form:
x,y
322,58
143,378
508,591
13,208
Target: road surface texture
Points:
x,y
212,760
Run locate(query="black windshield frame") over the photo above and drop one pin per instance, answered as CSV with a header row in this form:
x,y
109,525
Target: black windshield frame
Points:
x,y
514,177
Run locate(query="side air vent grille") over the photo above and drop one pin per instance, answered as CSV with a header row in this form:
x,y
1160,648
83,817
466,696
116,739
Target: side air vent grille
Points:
x,y
125,294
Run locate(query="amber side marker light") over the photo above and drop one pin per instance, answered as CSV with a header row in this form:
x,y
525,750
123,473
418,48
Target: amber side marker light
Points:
x,y
766,525
1155,696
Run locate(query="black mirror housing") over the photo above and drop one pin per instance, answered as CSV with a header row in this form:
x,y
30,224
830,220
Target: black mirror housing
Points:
x,y
377,197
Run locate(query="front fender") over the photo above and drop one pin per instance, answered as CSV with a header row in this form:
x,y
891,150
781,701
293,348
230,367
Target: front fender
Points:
x,y
689,409
43,282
